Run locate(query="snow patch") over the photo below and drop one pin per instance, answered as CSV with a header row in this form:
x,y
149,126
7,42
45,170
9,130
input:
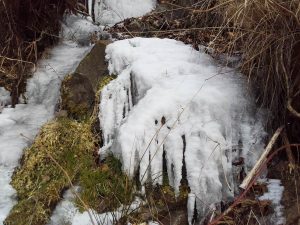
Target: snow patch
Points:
x,y
274,194
80,29
171,98
109,12
67,213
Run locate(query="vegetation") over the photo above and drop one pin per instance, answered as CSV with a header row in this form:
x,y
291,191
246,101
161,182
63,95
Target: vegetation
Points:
x,y
40,181
61,155
106,188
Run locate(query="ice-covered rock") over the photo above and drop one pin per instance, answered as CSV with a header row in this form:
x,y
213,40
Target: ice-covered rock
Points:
x,y
172,100
80,29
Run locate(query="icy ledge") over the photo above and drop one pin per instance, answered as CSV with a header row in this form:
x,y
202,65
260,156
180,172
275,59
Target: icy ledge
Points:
x,y
172,104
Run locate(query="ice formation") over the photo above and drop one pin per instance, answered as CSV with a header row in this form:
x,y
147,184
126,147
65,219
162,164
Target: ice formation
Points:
x,y
172,104
19,125
109,12
274,194
79,29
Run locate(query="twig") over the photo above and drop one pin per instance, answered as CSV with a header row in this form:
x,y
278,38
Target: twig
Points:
x,y
261,160
291,109
288,149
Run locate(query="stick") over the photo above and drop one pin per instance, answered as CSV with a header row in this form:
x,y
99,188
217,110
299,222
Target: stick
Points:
x,y
288,149
261,160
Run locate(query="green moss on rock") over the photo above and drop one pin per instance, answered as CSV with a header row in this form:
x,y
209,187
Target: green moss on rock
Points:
x,y
77,96
105,81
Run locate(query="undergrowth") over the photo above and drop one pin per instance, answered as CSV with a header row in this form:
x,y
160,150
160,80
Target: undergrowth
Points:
x,y
106,188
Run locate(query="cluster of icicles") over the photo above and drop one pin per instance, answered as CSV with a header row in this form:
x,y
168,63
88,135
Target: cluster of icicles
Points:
x,y
172,107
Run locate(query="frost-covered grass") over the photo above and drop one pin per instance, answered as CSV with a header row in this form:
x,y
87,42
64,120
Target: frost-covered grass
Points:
x,y
169,99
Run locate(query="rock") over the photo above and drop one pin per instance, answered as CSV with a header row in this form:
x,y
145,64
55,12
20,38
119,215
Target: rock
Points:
x,y
78,89
77,96
61,113
93,66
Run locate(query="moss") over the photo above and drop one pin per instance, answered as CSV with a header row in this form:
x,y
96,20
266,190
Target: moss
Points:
x,y
40,181
106,188
105,80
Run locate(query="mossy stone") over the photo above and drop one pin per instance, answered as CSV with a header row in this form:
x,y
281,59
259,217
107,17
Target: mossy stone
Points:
x,y
77,96
94,65
78,89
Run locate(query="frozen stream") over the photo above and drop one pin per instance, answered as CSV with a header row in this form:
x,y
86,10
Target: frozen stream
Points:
x,y
19,125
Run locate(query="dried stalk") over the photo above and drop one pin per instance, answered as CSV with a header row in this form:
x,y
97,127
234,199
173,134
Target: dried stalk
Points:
x,y
261,160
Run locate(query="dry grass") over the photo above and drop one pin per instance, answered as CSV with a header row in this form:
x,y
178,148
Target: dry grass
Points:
x,y
267,33
27,28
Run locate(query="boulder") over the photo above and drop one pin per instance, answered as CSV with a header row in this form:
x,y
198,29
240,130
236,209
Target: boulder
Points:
x,y
77,96
94,66
78,89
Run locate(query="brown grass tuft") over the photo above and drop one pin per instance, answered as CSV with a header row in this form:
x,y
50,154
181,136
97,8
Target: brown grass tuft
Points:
x,y
267,34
